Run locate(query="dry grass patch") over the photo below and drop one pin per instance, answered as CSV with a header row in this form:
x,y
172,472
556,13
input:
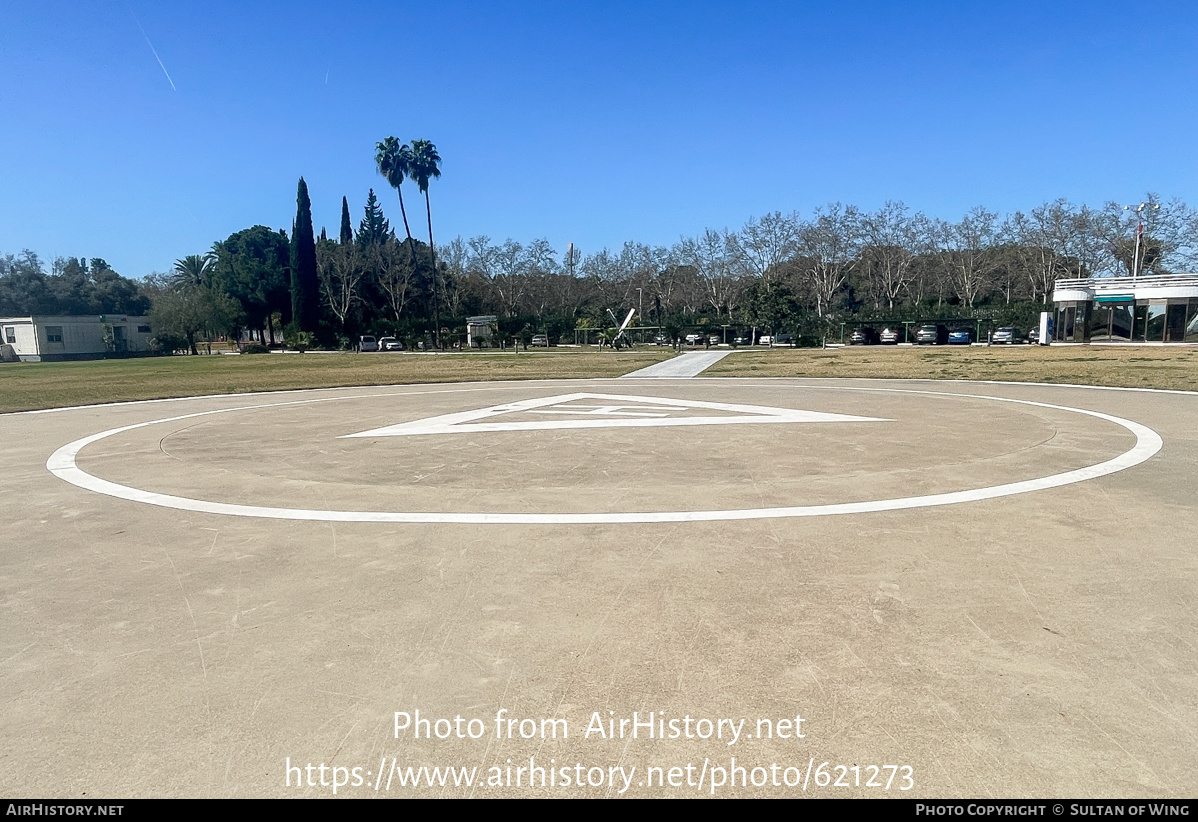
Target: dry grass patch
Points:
x,y
1124,366
28,386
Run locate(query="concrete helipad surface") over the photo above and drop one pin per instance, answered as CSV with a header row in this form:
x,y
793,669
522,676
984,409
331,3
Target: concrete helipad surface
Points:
x,y
650,587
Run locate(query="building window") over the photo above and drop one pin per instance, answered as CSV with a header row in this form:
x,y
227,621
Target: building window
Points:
x,y
1155,331
10,335
1065,319
54,333
143,329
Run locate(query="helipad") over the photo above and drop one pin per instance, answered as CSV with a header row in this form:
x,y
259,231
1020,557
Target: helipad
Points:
x,y
986,583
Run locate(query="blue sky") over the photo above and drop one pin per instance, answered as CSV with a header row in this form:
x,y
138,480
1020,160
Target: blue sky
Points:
x,y
594,123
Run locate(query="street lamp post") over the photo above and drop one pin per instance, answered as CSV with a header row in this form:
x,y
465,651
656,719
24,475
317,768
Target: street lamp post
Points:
x,y
640,304
1135,257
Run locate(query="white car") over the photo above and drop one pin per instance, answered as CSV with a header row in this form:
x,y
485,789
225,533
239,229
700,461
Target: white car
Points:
x,y
390,344
765,339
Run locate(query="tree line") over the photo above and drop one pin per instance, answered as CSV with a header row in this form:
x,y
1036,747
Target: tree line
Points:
x,y
779,272
72,286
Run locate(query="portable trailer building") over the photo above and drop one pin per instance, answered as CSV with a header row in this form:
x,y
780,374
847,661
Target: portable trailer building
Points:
x,y
43,338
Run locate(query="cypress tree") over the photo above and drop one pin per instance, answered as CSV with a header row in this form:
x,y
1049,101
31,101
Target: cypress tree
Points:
x,y
347,229
305,294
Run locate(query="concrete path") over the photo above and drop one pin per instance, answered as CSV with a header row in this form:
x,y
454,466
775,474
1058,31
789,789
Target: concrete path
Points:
x,y
685,365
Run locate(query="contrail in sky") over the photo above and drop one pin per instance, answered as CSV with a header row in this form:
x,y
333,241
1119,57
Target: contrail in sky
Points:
x,y
154,50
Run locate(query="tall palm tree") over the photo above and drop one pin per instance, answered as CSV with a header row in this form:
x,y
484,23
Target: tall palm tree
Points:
x,y
424,164
395,162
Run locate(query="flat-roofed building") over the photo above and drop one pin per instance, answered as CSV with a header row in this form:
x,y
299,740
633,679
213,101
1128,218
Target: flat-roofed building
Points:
x,y
479,330
43,338
1154,308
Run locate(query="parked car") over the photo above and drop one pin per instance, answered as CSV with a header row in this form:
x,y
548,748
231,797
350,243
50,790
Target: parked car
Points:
x,y
960,336
694,339
890,336
661,339
931,335
765,339
1006,336
390,344
864,336
367,344
713,339
1033,336
539,341
741,340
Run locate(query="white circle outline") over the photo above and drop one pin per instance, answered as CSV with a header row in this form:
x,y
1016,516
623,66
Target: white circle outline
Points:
x,y
62,464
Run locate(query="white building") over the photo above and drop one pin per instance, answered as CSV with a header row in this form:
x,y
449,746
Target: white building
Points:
x,y
1148,308
37,339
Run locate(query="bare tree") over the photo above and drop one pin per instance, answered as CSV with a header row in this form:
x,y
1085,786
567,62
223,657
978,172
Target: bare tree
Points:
x,y
341,270
713,257
455,276
892,239
510,269
764,247
829,246
1043,238
968,246
394,273
1167,231
1088,241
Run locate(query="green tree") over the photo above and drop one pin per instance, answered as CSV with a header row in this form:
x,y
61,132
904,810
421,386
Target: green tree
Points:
x,y
374,228
769,309
394,162
305,285
424,165
347,229
253,267
187,310
195,269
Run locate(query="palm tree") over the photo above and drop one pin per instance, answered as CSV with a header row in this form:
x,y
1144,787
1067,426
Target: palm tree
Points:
x,y
424,164
395,163
193,270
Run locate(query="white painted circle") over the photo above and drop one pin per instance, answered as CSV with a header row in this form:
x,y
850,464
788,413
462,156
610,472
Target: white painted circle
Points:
x,y
62,464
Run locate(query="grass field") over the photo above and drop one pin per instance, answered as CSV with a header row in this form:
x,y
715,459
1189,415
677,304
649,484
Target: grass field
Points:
x,y
1125,366
27,386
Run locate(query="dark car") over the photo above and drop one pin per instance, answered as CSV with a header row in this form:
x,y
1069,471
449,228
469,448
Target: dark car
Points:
x,y
865,336
931,335
960,336
890,336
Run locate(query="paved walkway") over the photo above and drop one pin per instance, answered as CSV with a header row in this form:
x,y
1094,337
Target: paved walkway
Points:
x,y
684,365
